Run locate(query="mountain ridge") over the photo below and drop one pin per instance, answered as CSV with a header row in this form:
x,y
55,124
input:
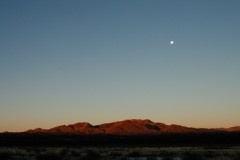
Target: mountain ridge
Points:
x,y
126,127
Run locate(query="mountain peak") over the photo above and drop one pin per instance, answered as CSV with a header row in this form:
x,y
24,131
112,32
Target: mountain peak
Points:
x,y
124,127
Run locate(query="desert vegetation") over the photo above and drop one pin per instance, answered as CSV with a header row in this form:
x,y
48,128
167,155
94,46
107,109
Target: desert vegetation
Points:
x,y
119,153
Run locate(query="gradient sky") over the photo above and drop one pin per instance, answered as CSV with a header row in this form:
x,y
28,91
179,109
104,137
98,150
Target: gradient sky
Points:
x,y
63,62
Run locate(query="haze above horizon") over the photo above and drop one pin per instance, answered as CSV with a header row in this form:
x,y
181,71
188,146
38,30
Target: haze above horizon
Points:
x,y
63,62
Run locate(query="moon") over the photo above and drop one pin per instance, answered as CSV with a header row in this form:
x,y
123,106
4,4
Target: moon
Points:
x,y
171,42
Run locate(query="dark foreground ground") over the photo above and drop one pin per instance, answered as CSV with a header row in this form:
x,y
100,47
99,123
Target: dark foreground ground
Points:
x,y
119,153
210,146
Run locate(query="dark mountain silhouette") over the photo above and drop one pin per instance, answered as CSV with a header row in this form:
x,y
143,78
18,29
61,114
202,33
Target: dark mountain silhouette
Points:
x,y
126,127
134,132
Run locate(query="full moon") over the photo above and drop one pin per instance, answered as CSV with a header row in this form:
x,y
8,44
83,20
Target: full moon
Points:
x,y
171,42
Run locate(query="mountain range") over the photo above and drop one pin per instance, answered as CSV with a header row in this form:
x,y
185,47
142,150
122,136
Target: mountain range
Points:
x,y
126,127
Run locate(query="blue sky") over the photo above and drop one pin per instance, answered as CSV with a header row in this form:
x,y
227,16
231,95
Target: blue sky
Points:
x,y
63,62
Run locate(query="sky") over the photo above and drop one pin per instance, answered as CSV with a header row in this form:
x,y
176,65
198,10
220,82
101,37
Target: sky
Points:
x,y
69,61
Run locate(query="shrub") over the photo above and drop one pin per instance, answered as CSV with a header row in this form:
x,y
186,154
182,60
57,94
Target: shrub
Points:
x,y
49,156
134,154
91,155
